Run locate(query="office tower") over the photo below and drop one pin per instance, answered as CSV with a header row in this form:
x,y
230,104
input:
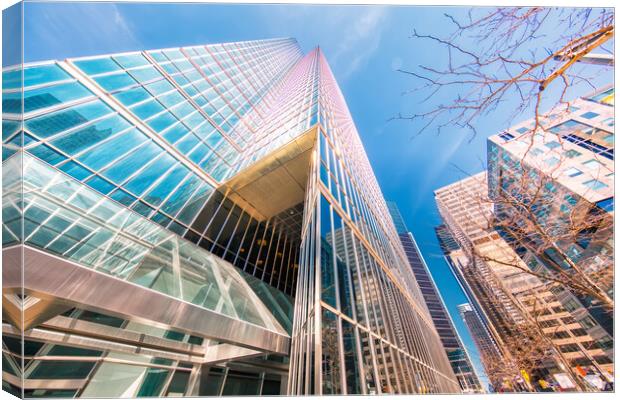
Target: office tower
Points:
x,y
456,259
516,305
568,165
457,354
487,348
170,213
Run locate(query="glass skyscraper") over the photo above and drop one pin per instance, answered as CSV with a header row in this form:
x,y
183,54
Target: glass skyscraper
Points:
x,y
457,354
201,221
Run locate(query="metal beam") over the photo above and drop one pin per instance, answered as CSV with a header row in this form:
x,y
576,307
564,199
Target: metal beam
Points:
x,y
76,285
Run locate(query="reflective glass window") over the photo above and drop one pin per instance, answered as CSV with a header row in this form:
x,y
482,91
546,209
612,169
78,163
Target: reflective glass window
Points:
x,y
187,143
328,278
100,184
162,121
122,197
12,79
81,139
42,74
59,121
159,87
154,382
36,99
148,109
47,154
61,370
195,204
127,377
595,184
9,128
173,54
115,81
351,358
132,162
131,60
592,164
170,99
214,139
330,355
132,96
75,170
158,56
344,284
145,74
156,195
180,195
589,115
182,110
175,133
199,153
158,167
97,66
106,152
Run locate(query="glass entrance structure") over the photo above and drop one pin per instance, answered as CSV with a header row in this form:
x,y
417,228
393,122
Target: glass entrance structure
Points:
x,y
201,221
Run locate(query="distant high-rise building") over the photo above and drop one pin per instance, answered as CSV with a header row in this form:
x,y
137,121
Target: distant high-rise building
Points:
x,y
168,223
457,354
484,343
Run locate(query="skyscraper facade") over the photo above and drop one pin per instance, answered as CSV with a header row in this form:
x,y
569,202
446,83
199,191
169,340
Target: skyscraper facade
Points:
x,y
568,163
480,334
516,304
169,228
457,354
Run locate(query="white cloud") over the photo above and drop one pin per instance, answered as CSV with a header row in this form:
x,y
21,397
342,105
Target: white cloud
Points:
x,y
361,39
349,35
100,24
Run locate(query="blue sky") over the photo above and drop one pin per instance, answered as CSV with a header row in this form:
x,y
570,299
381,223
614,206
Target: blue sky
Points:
x,y
364,46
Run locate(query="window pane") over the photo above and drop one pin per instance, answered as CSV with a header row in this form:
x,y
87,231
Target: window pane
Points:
x,y
330,357
77,141
116,81
145,178
61,370
41,74
132,162
105,153
51,124
148,109
328,278
97,66
180,196
50,96
131,60
145,74
132,96
74,169
47,154
163,189
351,370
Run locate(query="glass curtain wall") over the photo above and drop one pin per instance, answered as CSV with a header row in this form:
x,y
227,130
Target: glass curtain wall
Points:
x,y
360,322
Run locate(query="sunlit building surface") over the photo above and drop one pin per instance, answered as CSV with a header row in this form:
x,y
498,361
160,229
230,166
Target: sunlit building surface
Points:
x,y
569,167
509,298
201,221
457,354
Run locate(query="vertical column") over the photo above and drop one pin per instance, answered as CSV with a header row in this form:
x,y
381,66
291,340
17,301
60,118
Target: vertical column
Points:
x,y
12,194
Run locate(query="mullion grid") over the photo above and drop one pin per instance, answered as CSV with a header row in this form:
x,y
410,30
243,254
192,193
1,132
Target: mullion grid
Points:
x,y
401,364
75,157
